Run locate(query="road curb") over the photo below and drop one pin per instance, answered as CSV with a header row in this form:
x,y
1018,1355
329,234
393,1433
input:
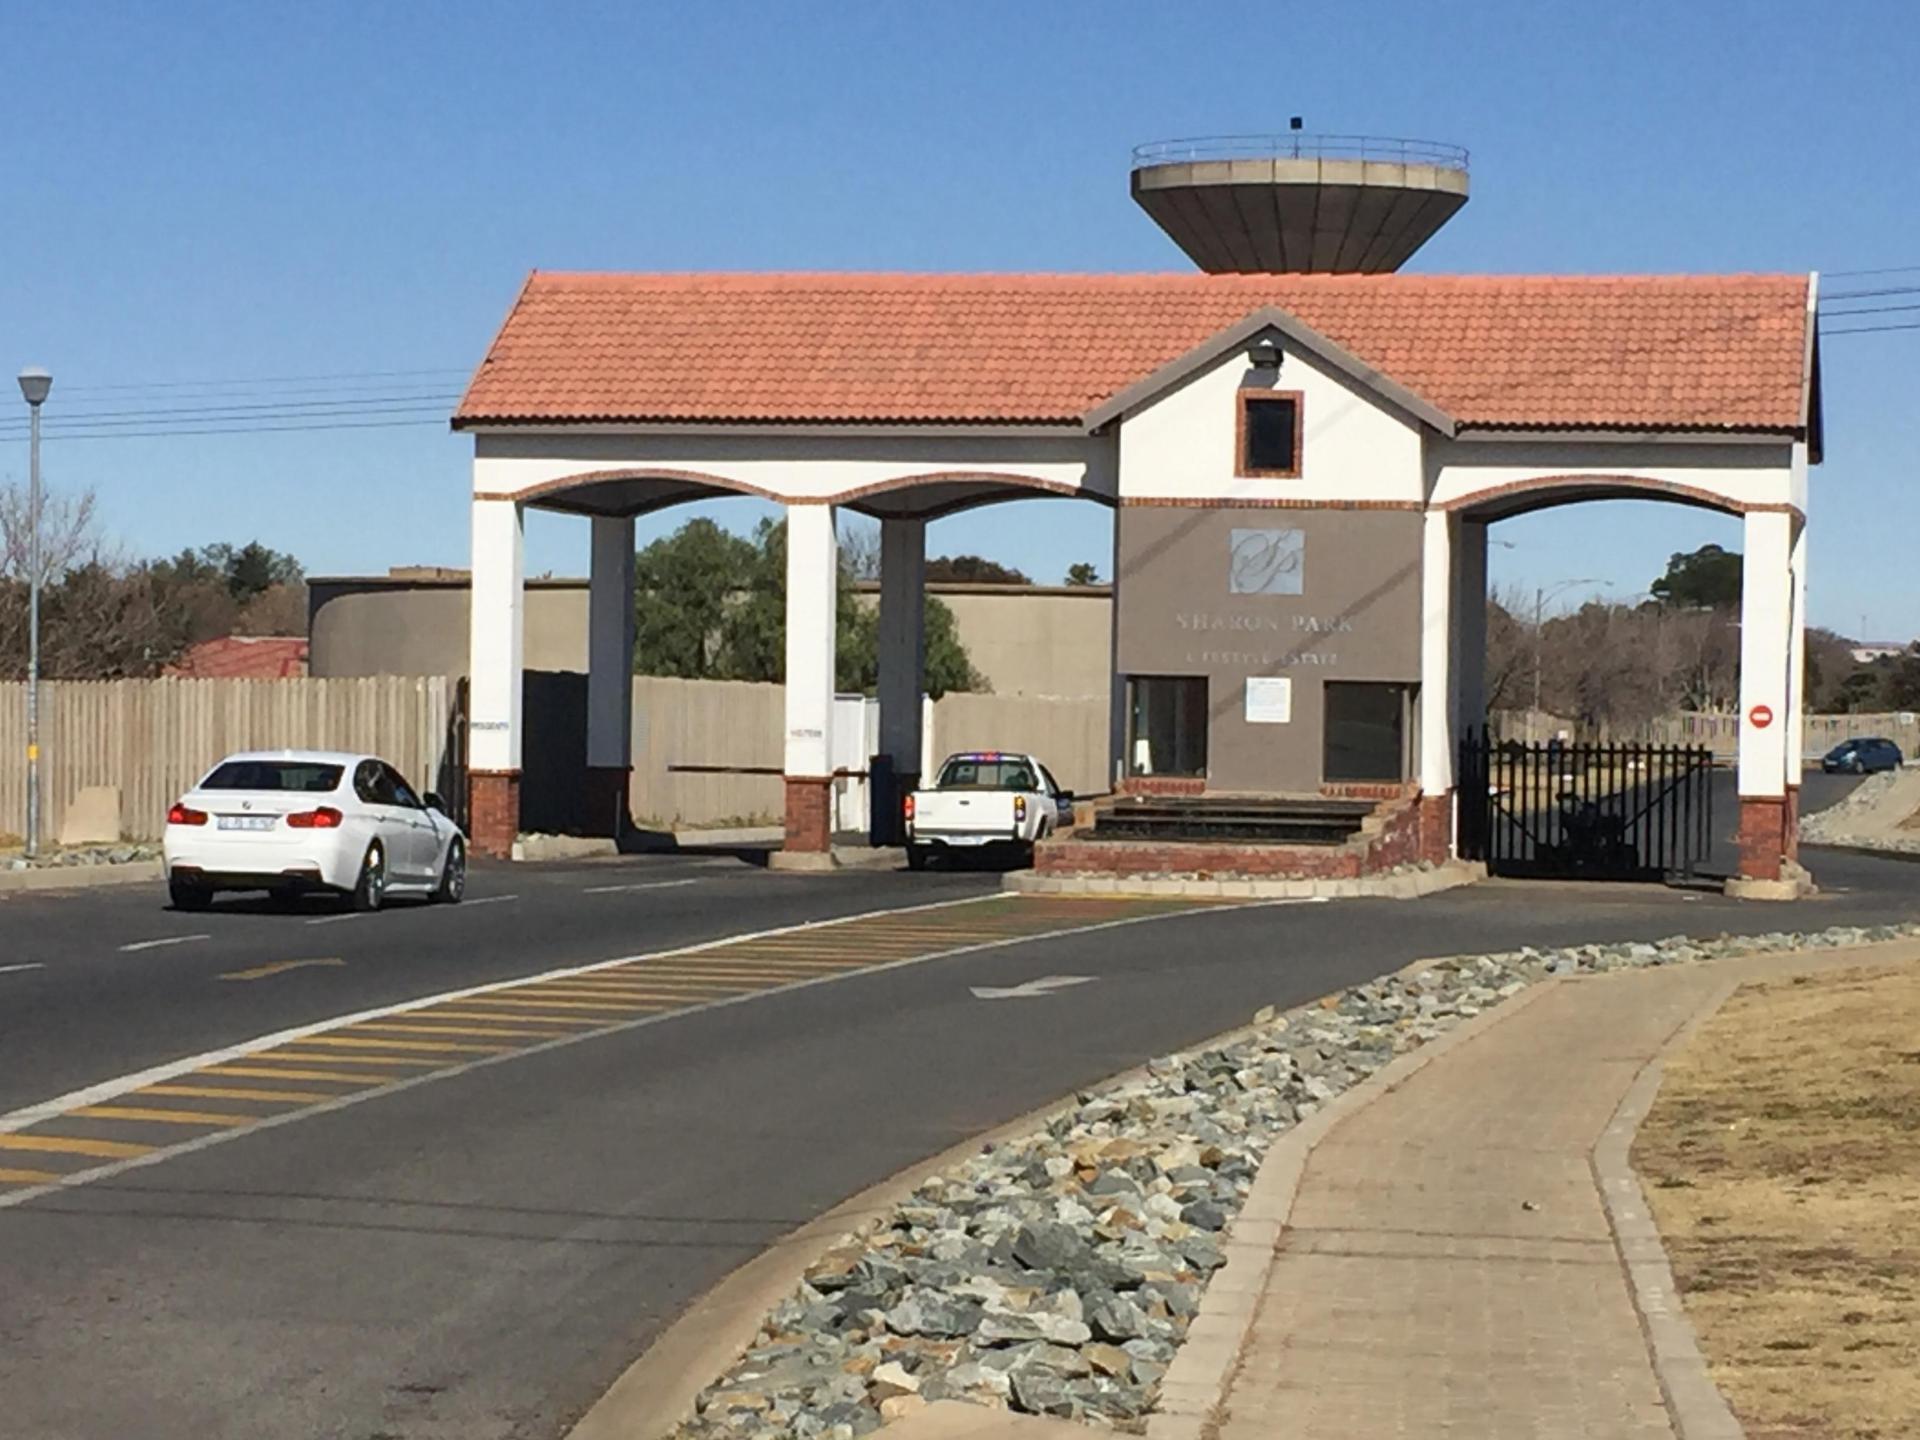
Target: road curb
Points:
x,y
81,877
1695,1406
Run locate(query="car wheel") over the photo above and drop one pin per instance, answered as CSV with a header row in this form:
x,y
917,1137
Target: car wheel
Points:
x,y
1859,766
370,890
917,857
185,895
453,879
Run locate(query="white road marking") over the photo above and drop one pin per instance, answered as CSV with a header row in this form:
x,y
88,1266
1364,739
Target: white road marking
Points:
x,y
491,900
642,885
111,1089
156,944
1031,989
10,969
336,919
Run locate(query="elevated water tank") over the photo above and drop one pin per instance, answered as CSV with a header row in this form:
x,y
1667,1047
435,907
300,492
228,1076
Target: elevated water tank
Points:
x,y
1270,204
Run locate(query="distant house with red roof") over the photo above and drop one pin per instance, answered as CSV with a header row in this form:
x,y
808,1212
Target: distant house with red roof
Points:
x,y
243,657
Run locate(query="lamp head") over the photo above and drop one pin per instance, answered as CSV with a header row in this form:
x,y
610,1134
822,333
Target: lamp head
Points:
x,y
34,384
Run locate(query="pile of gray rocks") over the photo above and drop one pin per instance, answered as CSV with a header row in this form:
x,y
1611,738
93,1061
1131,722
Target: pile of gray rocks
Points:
x,y
1058,1273
79,855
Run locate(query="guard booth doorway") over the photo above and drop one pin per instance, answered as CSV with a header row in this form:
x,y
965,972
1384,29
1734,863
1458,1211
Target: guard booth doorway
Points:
x,y
1585,812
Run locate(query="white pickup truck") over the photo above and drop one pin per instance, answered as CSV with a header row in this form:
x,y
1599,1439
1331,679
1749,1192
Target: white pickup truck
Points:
x,y
984,800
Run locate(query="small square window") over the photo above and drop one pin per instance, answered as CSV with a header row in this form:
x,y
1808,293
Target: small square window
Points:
x,y
1269,433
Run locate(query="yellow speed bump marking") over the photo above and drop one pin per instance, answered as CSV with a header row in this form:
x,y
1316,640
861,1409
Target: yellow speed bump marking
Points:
x,y
386,1029
160,1117
605,1007
235,1092
379,1062
277,967
260,1072
552,1023
73,1145
26,1177
371,1043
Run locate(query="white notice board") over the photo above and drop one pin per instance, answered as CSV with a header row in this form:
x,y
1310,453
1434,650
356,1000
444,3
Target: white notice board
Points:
x,y
1269,700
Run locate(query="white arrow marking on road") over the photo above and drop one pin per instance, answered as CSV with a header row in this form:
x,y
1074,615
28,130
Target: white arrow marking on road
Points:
x,y
1045,985
156,944
9,969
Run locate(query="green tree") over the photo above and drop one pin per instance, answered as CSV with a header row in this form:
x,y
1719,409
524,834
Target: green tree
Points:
x,y
974,570
711,605
1705,579
1083,572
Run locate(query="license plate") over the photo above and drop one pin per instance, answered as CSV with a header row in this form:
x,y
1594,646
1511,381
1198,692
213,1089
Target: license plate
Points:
x,y
247,822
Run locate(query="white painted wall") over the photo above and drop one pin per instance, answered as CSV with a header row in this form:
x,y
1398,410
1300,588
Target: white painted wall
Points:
x,y
1742,473
1438,544
812,551
788,465
1766,646
1353,445
497,628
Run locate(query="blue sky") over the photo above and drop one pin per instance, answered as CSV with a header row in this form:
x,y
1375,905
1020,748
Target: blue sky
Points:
x,y
216,192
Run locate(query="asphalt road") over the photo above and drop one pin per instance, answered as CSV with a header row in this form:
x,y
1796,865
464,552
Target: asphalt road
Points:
x,y
480,1256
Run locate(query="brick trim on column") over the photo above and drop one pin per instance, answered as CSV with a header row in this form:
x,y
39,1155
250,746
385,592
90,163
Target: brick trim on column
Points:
x,y
1436,828
809,818
1790,826
493,811
1763,836
605,796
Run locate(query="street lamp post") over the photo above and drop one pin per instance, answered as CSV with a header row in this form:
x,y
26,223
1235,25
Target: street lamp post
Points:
x,y
34,385
1540,597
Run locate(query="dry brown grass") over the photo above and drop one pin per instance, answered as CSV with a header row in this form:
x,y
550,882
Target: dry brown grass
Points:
x,y
1782,1159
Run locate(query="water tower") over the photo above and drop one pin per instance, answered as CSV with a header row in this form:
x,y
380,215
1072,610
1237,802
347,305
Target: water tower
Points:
x,y
1323,204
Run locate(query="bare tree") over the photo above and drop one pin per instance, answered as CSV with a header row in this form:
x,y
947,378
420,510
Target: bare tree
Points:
x,y
860,548
1510,651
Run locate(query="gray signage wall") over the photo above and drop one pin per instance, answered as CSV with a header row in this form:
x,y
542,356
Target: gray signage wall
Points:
x,y
1236,593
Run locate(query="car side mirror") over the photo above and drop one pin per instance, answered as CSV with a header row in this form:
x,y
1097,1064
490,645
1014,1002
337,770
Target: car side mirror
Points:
x,y
434,802
1065,796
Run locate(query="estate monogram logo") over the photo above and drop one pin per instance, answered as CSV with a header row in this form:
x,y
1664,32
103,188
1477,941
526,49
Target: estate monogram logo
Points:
x,y
1266,562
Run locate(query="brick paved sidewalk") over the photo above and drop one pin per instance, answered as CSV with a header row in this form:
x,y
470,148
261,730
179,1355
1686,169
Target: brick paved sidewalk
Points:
x,y
1449,1269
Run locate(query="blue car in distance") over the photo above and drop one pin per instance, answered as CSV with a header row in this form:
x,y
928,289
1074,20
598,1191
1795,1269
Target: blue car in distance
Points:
x,y
1862,756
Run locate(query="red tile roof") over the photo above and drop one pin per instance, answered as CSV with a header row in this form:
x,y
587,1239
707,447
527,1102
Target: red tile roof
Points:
x,y
1636,352
243,657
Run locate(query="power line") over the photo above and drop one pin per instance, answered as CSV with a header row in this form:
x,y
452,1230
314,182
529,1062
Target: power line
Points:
x,y
1871,329
1870,310
265,410
246,430
1883,270
1870,294
252,380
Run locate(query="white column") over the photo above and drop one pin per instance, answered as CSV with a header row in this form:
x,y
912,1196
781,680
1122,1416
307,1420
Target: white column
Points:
x,y
1436,653
496,621
1470,628
610,644
1766,619
812,561
902,640
1797,659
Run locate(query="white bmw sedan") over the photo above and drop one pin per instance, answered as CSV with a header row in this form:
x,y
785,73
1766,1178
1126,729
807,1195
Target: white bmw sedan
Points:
x,y
291,821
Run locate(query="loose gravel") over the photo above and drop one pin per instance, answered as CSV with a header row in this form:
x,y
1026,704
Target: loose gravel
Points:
x,y
1836,825
1057,1274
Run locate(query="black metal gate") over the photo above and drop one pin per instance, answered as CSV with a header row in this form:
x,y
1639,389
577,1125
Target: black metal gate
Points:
x,y
1591,812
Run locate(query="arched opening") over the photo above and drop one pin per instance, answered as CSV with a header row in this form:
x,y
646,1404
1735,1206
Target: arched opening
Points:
x,y
576,723
1634,701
